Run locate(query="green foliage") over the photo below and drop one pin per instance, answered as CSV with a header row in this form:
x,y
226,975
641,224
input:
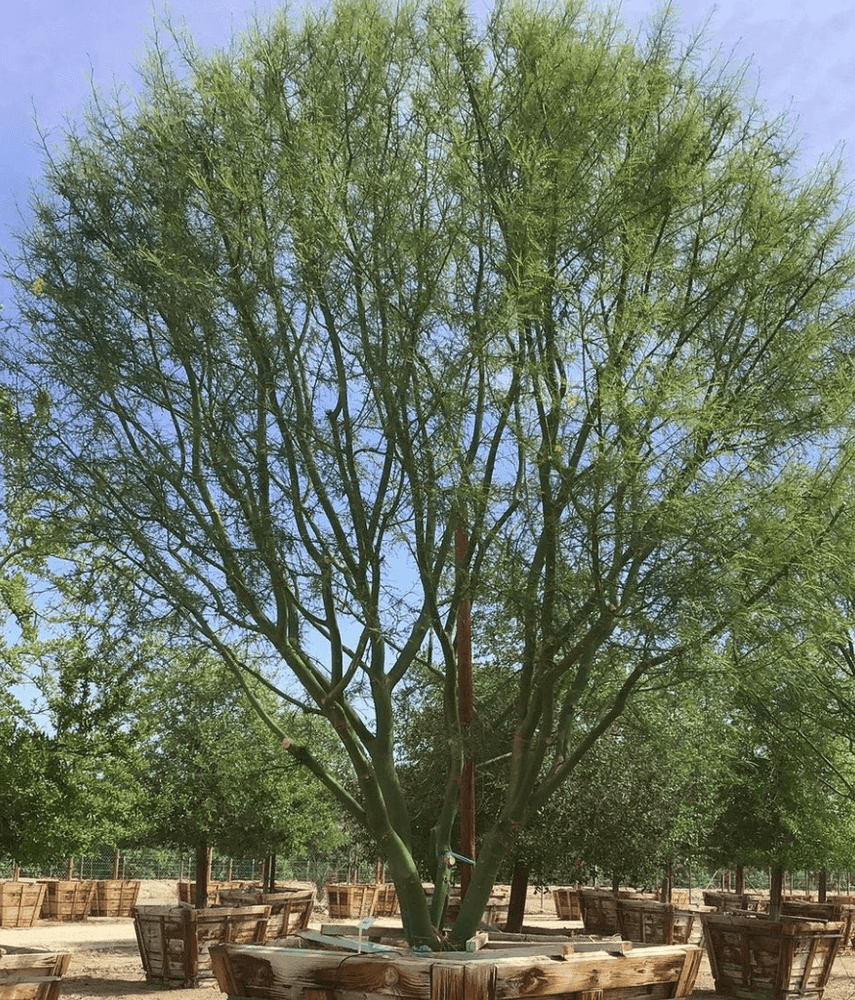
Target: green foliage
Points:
x,y
310,304
786,797
60,796
214,774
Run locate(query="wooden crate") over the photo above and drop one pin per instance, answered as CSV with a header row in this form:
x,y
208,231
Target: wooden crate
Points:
x,y
599,911
31,974
351,901
174,941
495,912
290,911
386,902
67,899
754,957
187,891
293,974
726,902
115,898
838,912
567,904
644,921
20,903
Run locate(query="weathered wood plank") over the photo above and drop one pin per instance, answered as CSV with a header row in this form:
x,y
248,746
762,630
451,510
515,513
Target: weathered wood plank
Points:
x,y
335,942
464,981
374,933
686,983
280,974
33,975
613,947
539,933
522,978
477,941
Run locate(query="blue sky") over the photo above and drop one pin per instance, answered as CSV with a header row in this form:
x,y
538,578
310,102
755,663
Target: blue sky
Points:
x,y
801,52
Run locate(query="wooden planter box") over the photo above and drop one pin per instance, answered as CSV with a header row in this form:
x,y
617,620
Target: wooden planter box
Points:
x,y
386,900
567,904
754,957
31,974
115,898
351,901
67,900
187,891
728,902
599,911
20,903
293,974
495,912
290,911
174,940
645,921
838,912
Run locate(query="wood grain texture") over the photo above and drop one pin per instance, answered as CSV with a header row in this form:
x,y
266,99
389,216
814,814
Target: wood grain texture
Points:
x,y
287,974
32,975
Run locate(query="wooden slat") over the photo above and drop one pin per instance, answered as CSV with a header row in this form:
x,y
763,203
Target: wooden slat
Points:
x,y
286,975
688,977
16,980
518,977
809,964
332,942
463,981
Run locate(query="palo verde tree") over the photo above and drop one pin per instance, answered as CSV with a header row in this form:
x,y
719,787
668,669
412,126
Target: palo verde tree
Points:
x,y
305,308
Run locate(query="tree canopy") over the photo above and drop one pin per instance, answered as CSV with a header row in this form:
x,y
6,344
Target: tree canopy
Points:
x,y
214,776
308,306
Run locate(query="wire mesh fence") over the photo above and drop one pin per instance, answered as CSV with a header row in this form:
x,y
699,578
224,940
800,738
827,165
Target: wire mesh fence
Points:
x,y
151,863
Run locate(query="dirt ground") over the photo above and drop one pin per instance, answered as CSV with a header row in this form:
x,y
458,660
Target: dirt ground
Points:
x,y
105,959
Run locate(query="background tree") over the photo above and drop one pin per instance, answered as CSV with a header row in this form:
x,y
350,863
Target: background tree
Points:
x,y
214,776
311,304
786,797
642,800
70,672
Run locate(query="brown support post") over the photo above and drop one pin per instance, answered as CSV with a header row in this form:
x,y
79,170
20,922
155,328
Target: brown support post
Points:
x,y
464,682
822,888
115,864
70,873
519,893
740,879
